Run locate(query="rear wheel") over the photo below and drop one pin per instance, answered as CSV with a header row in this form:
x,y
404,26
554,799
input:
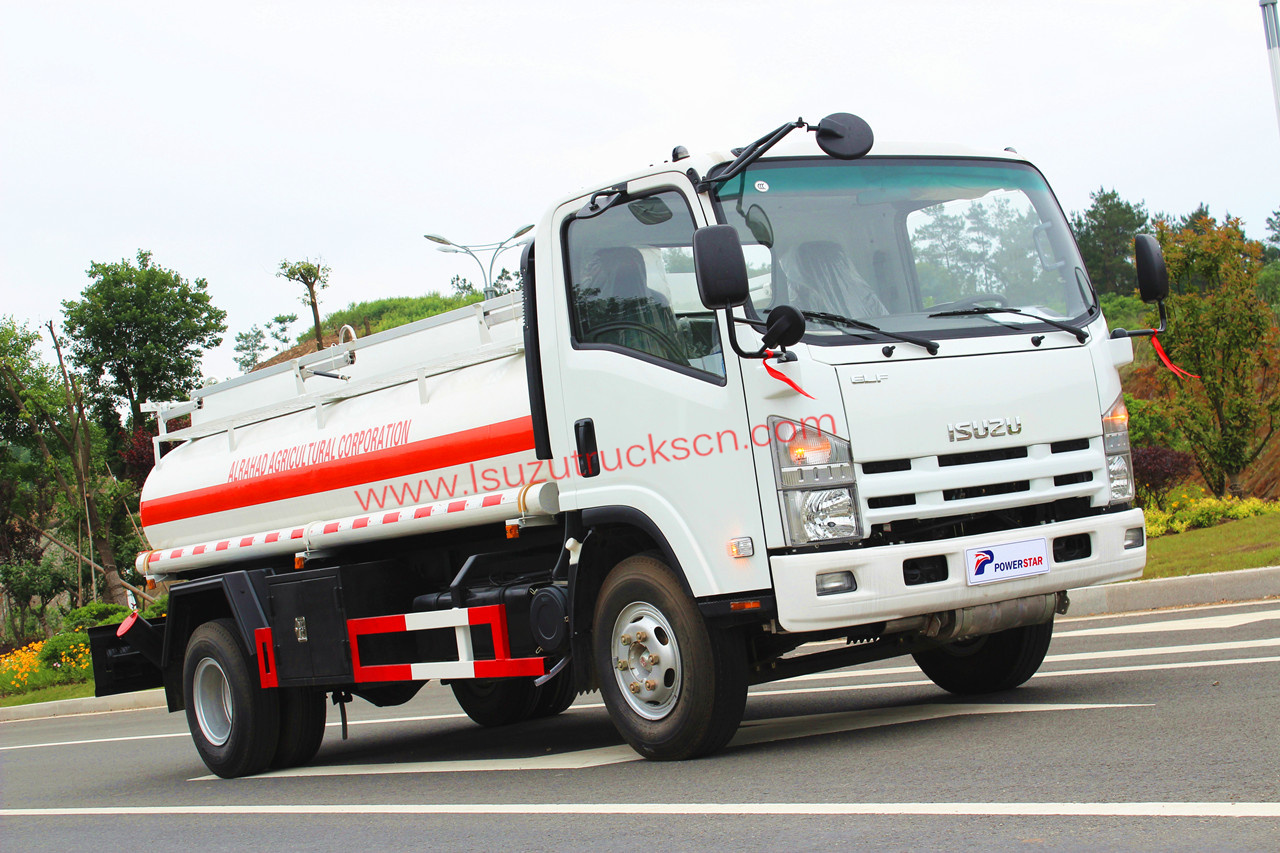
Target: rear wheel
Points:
x,y
675,686
496,701
234,723
988,664
302,712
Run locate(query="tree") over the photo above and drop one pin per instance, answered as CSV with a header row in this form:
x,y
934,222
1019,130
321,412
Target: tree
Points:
x,y
278,329
46,411
141,329
250,346
1223,332
1105,235
1271,249
315,278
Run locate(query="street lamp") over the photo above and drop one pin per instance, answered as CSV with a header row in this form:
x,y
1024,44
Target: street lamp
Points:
x,y
447,245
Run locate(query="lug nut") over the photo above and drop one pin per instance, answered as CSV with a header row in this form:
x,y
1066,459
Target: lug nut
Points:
x,y
651,660
625,639
641,636
622,664
635,687
650,684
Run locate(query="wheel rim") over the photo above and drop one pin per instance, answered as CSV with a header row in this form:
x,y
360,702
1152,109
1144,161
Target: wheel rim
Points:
x,y
646,660
212,698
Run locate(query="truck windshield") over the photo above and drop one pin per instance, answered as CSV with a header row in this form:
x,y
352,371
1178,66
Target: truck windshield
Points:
x,y
907,245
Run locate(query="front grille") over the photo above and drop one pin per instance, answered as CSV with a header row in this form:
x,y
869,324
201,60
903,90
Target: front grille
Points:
x,y
891,501
977,457
970,492
1000,488
886,466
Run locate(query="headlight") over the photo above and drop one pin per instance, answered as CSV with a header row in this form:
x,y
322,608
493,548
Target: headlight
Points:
x,y
1115,441
814,472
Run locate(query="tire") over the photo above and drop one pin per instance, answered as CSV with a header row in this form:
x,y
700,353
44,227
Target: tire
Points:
x,y
556,695
302,713
988,664
234,722
689,701
496,701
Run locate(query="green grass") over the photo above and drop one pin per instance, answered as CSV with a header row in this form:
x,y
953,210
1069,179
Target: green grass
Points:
x,y
1246,544
49,694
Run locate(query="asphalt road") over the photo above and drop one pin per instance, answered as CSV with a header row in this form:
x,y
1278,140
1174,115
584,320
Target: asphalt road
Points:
x,y
1152,731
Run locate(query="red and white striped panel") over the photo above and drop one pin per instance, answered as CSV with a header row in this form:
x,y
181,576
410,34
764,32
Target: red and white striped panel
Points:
x,y
466,666
534,500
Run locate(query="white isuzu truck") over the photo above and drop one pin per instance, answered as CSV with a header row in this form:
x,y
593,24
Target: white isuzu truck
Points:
x,y
747,405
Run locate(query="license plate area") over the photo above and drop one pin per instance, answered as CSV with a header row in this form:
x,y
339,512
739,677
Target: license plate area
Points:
x,y
1006,561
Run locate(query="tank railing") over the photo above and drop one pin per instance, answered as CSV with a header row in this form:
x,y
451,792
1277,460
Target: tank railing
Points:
x,y
419,373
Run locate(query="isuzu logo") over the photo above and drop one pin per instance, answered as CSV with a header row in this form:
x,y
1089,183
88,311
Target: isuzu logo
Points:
x,y
985,428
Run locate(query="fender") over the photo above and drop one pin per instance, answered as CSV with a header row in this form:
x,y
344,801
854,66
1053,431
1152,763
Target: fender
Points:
x,y
240,595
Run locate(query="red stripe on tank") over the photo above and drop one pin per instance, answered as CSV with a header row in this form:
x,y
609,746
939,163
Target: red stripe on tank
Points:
x,y
459,448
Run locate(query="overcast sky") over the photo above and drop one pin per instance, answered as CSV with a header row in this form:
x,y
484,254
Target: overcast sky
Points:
x,y
225,137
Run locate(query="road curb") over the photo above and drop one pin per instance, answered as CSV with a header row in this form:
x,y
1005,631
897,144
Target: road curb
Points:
x,y
1242,585
88,705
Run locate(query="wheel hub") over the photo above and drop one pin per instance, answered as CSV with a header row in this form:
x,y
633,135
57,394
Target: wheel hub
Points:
x,y
648,660
211,695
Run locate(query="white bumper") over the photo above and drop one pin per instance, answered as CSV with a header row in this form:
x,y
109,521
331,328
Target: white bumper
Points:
x,y
882,594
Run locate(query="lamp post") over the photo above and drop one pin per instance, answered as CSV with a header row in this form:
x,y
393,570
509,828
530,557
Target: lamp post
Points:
x,y
447,245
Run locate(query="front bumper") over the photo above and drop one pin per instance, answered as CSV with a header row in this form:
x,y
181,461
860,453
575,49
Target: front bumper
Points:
x,y
882,593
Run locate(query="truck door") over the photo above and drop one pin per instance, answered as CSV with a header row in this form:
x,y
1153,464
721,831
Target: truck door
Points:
x,y
641,367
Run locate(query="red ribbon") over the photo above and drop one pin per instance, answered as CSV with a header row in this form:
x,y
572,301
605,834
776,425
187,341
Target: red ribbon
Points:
x,y
1178,371
782,377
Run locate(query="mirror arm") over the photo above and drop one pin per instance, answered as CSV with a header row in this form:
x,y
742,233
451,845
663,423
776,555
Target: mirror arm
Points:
x,y
733,337
749,155
1143,333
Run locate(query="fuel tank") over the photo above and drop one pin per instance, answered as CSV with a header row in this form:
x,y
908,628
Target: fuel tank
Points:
x,y
433,411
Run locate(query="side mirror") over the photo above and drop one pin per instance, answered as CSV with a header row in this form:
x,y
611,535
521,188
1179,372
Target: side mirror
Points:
x,y
1153,275
720,266
785,327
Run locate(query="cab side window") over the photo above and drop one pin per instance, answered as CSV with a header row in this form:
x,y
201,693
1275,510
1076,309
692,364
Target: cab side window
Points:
x,y
632,285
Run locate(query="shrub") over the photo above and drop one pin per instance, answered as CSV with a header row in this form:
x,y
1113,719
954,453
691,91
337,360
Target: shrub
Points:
x,y
66,656
95,613
1183,515
1156,470
18,667
157,608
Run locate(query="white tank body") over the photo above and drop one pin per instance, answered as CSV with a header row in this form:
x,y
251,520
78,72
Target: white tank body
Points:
x,y
433,411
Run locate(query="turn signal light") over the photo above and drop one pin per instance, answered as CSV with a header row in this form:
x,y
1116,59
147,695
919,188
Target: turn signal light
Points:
x,y
809,447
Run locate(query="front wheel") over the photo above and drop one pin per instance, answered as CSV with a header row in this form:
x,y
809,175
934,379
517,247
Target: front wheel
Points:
x,y
988,664
675,687
234,722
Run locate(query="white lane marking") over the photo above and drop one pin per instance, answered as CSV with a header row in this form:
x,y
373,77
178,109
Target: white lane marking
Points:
x,y
1039,675
753,732
1203,623
1234,645
1146,809
95,740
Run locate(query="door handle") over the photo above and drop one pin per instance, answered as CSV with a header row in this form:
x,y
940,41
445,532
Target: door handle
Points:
x,y
588,454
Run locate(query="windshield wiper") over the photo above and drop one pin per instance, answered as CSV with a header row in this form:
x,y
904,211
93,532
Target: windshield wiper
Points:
x,y
1080,334
837,320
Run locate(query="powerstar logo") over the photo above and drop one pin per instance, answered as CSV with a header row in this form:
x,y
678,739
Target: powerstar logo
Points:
x,y
1007,561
